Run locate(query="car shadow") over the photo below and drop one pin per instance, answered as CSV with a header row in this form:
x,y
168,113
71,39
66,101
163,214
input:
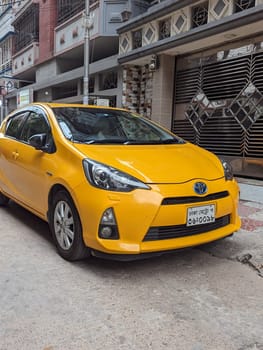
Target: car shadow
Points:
x,y
29,220
184,259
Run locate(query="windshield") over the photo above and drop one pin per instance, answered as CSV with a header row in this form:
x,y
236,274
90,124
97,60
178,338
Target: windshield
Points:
x,y
105,126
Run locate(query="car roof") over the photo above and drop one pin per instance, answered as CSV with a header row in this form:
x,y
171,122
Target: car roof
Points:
x,y
71,105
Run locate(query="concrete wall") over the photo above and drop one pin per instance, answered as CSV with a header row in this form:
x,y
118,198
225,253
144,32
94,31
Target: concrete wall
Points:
x,y
46,71
163,91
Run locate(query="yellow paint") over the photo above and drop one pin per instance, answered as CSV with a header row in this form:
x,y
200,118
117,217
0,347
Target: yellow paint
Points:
x,y
28,176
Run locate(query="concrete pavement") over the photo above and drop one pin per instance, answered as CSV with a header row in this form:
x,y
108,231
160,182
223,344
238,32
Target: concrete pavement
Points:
x,y
251,204
206,298
251,212
251,190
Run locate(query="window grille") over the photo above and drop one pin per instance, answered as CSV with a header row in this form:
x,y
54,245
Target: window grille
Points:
x,y
241,5
68,8
137,39
199,15
27,28
165,28
5,5
108,81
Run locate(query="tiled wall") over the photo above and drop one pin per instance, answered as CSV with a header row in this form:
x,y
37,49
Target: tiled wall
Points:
x,y
137,89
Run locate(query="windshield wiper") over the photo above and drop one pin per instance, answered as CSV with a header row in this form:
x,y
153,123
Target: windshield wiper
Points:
x,y
151,142
132,142
170,141
105,141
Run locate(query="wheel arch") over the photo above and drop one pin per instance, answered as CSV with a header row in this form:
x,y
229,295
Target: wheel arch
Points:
x,y
55,189
80,249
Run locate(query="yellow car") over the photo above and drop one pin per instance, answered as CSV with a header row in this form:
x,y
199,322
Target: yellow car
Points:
x,y
113,184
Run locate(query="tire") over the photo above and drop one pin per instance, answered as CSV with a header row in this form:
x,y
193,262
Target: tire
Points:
x,y
66,228
3,199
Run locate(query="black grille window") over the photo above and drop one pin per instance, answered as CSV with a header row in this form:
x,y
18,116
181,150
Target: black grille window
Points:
x,y
199,15
27,28
137,39
68,8
165,28
108,81
241,5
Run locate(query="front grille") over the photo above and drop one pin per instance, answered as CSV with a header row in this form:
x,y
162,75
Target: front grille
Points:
x,y
168,232
194,199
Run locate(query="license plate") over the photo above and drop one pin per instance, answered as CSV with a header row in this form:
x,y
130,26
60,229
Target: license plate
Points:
x,y
200,215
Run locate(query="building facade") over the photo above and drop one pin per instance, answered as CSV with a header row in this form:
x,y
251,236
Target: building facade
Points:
x,y
196,67
48,51
6,35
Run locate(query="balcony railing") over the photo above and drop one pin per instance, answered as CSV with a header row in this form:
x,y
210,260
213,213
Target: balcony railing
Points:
x,y
26,28
6,66
67,8
25,39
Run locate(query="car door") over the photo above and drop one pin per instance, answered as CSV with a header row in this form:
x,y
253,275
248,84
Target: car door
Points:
x,y
33,165
30,175
8,146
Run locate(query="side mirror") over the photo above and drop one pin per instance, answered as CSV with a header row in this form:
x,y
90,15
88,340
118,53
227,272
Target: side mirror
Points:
x,y
38,141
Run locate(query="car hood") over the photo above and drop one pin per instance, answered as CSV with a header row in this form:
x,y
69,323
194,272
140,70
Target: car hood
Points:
x,y
157,163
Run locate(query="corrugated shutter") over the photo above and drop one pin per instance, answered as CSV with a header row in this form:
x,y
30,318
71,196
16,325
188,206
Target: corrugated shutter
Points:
x,y
231,121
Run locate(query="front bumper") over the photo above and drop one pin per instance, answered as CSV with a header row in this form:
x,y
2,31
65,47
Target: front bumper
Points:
x,y
140,210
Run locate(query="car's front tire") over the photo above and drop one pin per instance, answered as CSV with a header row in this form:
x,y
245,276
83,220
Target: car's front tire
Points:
x,y
66,228
3,199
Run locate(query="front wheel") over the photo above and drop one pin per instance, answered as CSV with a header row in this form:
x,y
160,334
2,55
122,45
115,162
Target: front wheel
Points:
x,y
66,228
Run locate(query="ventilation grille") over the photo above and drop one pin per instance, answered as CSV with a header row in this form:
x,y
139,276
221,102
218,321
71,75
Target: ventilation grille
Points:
x,y
158,233
194,199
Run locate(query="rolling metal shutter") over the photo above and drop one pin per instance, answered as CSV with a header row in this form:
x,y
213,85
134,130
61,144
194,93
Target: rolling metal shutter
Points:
x,y
223,106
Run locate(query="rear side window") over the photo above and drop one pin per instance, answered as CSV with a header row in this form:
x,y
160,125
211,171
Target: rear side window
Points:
x,y
14,125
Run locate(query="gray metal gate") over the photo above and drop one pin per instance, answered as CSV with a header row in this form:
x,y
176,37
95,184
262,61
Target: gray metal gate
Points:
x,y
223,109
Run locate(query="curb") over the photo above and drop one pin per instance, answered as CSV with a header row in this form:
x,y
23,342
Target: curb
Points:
x,y
251,190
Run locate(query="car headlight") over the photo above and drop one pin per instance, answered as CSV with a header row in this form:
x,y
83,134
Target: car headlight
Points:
x,y
111,179
227,169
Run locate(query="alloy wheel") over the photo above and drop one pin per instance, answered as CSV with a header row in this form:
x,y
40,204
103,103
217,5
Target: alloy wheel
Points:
x,y
64,225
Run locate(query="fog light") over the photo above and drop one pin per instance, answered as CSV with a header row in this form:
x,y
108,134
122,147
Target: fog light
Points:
x,y
108,226
105,231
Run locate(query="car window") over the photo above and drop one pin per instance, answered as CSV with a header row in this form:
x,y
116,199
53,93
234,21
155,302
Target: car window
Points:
x,y
98,125
36,123
14,124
